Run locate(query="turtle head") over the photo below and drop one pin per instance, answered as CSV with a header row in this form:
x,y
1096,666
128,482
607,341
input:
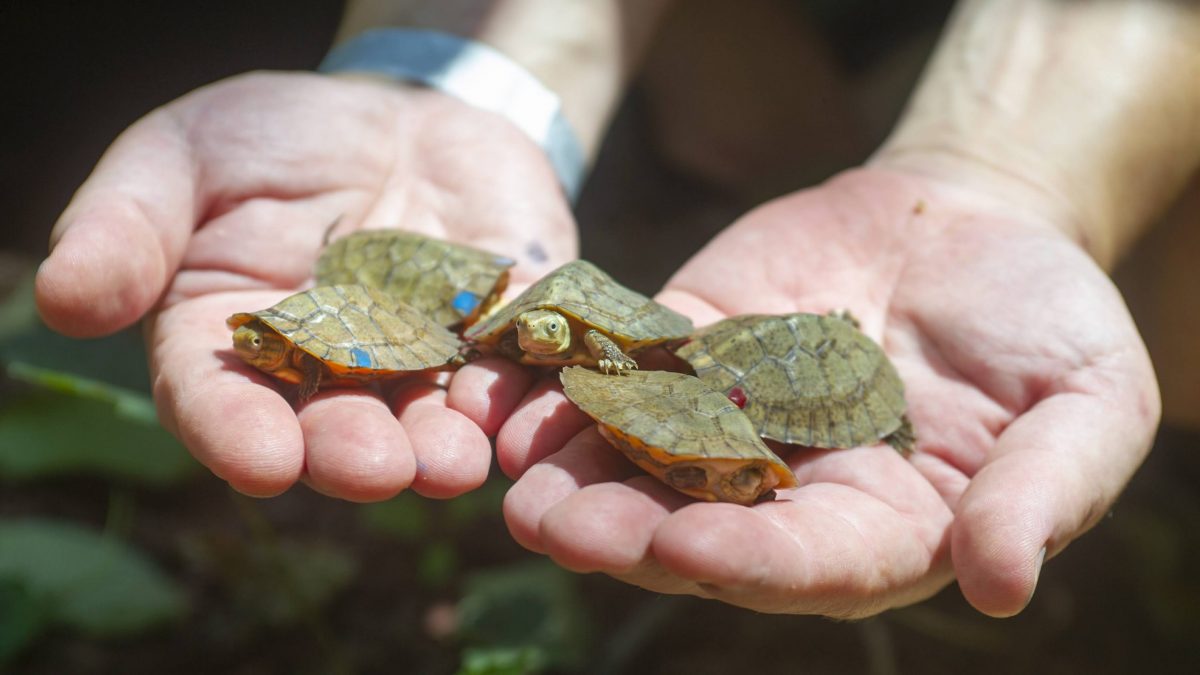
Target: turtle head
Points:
x,y
724,481
746,484
260,346
541,331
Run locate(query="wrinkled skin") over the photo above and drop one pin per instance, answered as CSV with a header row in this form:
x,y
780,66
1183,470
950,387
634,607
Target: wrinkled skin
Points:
x,y
1032,395
1030,389
218,203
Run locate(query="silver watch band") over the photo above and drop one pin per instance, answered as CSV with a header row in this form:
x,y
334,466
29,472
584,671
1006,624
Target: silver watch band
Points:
x,y
474,73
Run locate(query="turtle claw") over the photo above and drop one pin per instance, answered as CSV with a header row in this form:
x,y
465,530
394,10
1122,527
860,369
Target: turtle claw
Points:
x,y
466,354
311,381
609,357
616,366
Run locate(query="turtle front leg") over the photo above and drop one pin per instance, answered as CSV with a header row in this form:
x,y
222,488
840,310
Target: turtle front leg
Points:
x,y
845,315
609,357
904,438
312,378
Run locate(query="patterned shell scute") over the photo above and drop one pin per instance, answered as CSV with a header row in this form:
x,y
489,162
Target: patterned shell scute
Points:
x,y
807,378
672,412
585,292
354,327
446,281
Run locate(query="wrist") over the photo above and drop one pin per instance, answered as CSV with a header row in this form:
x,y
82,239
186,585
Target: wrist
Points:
x,y
1019,185
1083,112
583,51
473,73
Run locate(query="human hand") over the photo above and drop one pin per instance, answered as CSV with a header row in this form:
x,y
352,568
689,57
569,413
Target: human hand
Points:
x,y
218,203
1031,393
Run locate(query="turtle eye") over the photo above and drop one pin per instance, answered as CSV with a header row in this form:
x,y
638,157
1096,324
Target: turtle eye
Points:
x,y
256,341
552,326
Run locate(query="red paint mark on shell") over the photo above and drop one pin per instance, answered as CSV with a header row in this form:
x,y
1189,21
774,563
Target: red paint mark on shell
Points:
x,y
737,396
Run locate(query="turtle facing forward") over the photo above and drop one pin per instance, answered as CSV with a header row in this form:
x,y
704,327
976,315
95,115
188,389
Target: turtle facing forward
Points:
x,y
578,315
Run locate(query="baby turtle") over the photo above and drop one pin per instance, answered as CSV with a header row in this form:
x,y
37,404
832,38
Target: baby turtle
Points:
x,y
810,379
341,335
681,431
452,283
577,314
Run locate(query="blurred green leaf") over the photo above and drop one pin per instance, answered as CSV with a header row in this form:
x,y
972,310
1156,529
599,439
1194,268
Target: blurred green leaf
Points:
x,y
531,605
130,405
502,661
470,507
1157,547
95,584
405,516
22,617
312,574
438,564
18,313
119,359
270,582
69,424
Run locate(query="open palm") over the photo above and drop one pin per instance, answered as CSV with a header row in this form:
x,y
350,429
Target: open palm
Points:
x,y
218,203
1030,390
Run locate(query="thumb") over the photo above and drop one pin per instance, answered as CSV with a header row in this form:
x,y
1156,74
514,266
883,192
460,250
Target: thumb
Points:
x,y
1053,474
120,239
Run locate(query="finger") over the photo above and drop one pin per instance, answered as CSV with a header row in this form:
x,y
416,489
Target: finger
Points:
x,y
453,455
1054,473
487,391
355,449
882,473
257,243
120,239
690,305
230,416
585,459
542,423
824,549
608,527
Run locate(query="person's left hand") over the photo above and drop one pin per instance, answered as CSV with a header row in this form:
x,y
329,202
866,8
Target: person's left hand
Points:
x,y
1030,390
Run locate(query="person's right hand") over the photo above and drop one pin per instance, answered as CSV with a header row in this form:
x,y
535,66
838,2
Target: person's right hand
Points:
x,y
218,202
1032,395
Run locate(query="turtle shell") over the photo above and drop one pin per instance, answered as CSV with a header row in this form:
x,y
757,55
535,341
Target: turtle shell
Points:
x,y
810,379
681,431
584,292
452,283
357,333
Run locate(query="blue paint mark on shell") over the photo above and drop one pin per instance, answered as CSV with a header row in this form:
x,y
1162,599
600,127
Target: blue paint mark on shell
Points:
x,y
465,302
362,358
504,261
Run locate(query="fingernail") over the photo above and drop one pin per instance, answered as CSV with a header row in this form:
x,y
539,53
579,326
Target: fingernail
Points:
x,y
1037,573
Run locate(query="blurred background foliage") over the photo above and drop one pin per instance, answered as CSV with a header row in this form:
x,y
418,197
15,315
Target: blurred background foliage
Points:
x,y
118,553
